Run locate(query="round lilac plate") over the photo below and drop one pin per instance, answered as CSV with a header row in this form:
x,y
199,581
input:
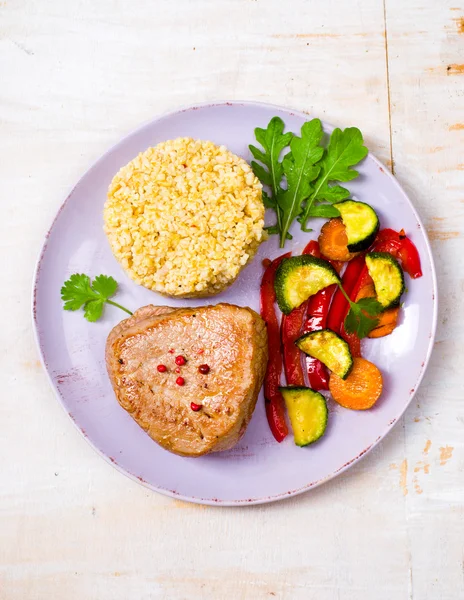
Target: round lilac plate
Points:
x,y
258,469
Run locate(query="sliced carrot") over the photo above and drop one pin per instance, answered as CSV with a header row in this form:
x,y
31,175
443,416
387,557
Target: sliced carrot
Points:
x,y
361,389
379,332
387,323
367,290
333,241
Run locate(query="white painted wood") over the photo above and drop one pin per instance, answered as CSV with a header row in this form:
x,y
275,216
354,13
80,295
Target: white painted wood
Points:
x,y
426,68
75,77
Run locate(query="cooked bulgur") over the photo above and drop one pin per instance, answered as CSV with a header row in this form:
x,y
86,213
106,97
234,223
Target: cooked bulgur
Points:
x,y
184,217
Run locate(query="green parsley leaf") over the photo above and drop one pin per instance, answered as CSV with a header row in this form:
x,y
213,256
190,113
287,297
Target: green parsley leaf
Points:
x,y
93,310
300,170
346,149
362,317
370,306
105,285
78,291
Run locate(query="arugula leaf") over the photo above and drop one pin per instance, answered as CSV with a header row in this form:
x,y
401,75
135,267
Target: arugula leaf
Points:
x,y
300,169
323,211
79,291
261,173
274,230
267,200
362,317
346,148
274,141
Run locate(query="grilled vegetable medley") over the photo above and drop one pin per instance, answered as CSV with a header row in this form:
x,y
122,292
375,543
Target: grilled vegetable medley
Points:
x,y
344,287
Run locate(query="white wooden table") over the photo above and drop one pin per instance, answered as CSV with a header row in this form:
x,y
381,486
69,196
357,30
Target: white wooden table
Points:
x,y
75,77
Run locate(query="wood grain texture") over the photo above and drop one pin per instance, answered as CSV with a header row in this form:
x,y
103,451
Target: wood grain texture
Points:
x,y
427,94
77,76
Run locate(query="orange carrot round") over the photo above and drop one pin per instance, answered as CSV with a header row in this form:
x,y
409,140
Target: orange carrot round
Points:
x,y
387,322
333,241
361,389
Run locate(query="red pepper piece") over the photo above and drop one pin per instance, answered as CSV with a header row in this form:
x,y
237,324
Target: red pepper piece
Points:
x,y
316,318
402,248
318,374
352,340
291,327
312,248
318,310
409,256
274,402
340,306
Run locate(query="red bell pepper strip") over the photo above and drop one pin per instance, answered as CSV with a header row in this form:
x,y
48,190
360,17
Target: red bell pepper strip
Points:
x,y
352,340
274,402
363,279
291,328
316,318
316,308
340,307
312,248
402,248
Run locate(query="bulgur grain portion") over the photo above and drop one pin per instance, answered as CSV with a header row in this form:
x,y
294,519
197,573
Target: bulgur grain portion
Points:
x,y
184,217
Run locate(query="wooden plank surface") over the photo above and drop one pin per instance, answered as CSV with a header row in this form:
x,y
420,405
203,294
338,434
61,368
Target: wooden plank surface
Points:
x,y
426,68
74,78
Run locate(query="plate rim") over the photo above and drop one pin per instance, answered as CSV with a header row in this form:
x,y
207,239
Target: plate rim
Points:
x,y
215,501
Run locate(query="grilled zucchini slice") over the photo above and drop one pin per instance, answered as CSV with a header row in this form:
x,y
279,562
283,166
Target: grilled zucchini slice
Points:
x,y
300,277
387,276
361,223
308,413
329,348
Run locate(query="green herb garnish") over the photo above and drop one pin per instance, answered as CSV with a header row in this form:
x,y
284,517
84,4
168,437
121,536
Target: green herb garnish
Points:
x,y
274,141
302,182
300,170
346,148
79,291
362,316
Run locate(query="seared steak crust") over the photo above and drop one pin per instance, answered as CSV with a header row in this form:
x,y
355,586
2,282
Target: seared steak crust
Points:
x,y
231,340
